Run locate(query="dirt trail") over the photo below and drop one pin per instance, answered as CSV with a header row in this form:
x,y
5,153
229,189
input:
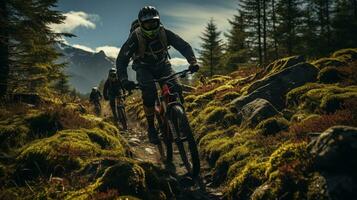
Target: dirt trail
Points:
x,y
144,151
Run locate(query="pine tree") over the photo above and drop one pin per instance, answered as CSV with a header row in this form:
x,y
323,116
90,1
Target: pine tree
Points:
x,y
62,84
31,55
289,16
4,49
211,49
237,48
344,25
252,10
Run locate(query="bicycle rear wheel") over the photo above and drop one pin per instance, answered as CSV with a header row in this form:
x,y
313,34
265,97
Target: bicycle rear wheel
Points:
x,y
122,117
183,137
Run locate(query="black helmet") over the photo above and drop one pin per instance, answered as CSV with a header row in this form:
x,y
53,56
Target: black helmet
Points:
x,y
148,13
149,20
112,73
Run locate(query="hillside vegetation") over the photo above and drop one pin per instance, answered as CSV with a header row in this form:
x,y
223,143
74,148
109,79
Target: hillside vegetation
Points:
x,y
261,133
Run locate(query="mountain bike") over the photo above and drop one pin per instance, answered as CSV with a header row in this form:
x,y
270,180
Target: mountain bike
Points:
x,y
174,126
97,108
120,110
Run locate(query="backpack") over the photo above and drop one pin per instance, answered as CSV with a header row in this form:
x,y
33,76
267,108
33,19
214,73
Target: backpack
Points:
x,y
135,29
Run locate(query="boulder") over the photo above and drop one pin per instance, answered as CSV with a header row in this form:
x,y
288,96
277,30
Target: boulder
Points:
x,y
334,159
256,111
127,177
273,88
334,148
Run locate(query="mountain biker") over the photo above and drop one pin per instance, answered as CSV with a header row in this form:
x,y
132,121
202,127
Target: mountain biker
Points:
x,y
113,91
95,96
148,46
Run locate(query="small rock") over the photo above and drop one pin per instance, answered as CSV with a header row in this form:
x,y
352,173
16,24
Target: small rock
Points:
x,y
149,150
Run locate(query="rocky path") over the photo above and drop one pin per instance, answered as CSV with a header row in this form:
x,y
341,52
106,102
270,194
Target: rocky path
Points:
x,y
144,151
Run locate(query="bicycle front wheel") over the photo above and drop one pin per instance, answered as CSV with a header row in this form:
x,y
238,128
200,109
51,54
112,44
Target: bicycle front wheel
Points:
x,y
184,139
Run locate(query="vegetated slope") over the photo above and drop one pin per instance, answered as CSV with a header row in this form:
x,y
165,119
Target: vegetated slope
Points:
x,y
277,133
57,150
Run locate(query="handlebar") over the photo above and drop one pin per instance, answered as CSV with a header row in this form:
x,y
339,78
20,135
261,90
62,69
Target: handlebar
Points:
x,y
182,74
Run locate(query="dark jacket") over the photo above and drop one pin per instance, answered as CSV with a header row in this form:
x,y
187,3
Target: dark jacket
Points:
x,y
95,96
112,89
130,47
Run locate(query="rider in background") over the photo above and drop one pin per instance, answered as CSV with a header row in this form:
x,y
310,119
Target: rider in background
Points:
x,y
148,46
95,97
113,91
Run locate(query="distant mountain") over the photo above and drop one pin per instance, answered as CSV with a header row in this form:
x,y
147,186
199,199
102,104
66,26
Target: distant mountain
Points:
x,y
87,69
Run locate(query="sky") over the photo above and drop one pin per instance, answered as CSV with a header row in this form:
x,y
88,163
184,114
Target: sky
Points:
x,y
104,24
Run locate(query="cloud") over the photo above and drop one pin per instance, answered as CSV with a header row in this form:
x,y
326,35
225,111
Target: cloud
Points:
x,y
85,48
75,19
110,51
178,61
191,26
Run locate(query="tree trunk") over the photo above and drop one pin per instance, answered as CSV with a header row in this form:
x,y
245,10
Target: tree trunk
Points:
x,y
327,13
290,30
211,61
355,8
4,49
274,30
265,32
259,34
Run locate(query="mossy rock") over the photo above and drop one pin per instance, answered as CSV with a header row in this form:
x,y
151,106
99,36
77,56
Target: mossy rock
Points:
x,y
286,154
287,171
67,150
216,115
272,125
294,95
329,62
349,54
283,63
44,124
230,96
321,97
329,75
126,177
250,177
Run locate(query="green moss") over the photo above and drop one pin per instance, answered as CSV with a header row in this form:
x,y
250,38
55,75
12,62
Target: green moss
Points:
x,y
272,125
294,95
216,115
69,149
12,135
287,170
208,96
329,62
283,63
329,75
216,79
287,154
126,177
320,97
250,177
230,96
348,54
190,98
